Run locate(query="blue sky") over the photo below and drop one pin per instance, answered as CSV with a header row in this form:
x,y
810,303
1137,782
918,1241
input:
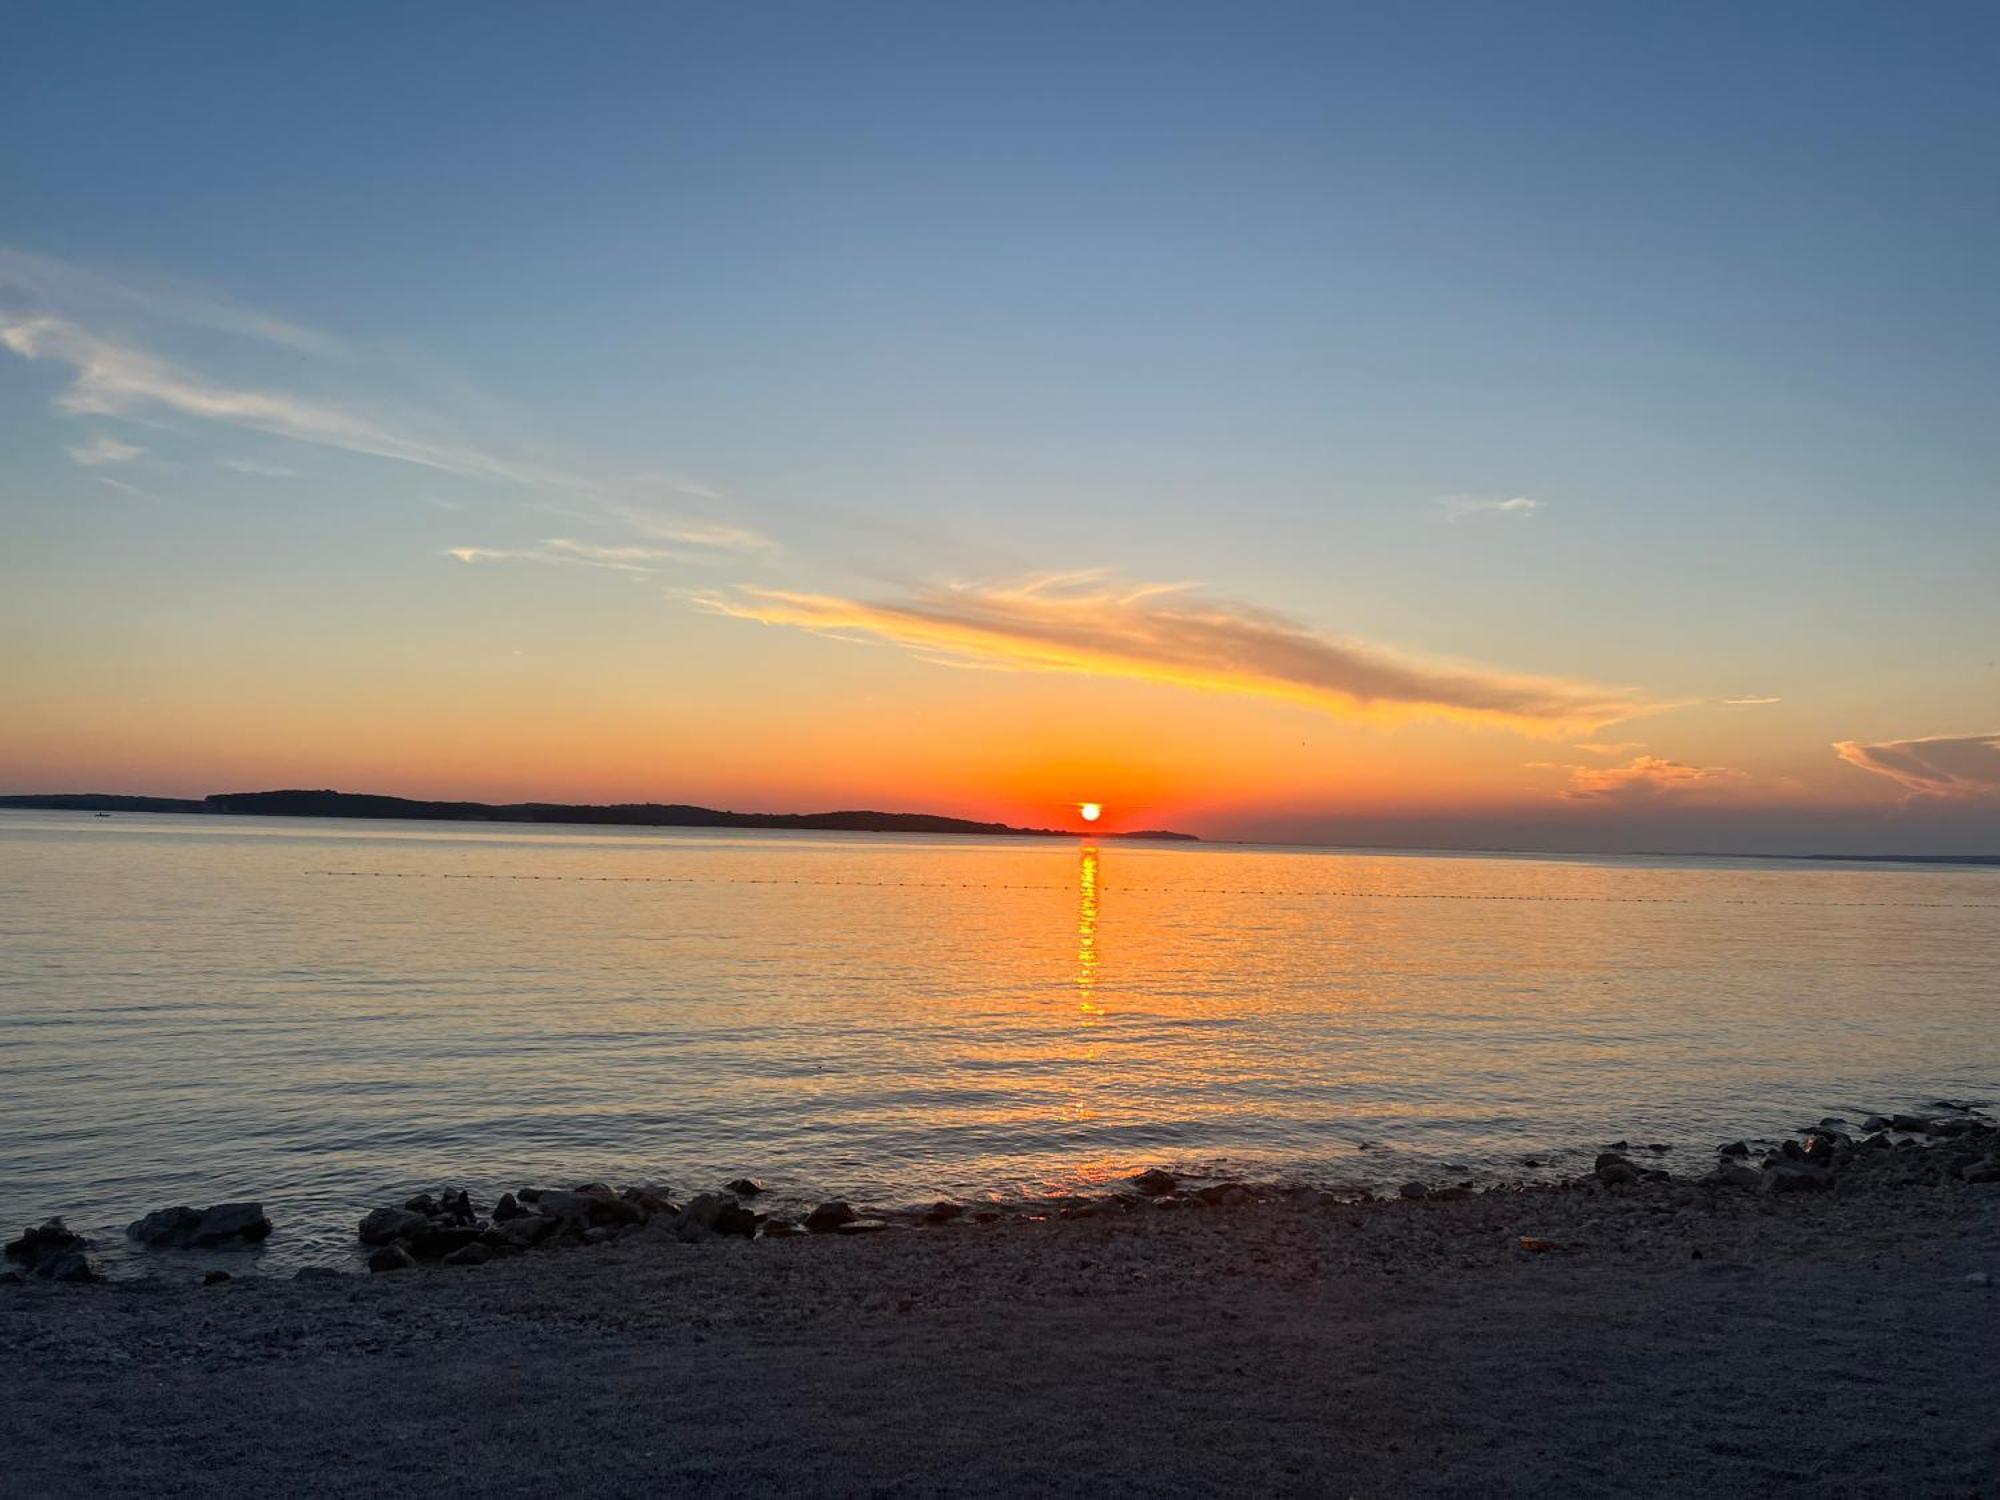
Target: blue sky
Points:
x,y
874,303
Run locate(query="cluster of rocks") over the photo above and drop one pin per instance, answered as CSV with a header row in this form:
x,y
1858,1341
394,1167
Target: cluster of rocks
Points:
x,y
50,1251
1953,1140
225,1226
1960,1144
1162,1189
1950,1141
448,1228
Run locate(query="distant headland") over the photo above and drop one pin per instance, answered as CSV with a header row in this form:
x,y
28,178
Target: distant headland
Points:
x,y
330,804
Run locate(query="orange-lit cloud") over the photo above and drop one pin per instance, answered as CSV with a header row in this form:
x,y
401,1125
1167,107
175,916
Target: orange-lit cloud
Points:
x,y
1087,622
1965,765
1648,778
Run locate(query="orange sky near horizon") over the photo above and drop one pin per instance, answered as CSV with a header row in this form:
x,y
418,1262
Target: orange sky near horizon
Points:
x,y
857,725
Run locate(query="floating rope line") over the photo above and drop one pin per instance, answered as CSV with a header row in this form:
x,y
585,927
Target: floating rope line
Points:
x,y
1161,890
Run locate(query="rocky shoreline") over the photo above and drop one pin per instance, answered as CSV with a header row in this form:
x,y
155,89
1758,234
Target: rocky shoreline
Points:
x,y
1947,1141
1829,1330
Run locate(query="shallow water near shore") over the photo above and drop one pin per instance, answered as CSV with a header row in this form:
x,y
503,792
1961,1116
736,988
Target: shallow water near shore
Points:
x,y
329,1015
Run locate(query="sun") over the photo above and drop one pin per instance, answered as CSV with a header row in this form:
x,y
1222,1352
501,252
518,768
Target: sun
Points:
x,y
1090,810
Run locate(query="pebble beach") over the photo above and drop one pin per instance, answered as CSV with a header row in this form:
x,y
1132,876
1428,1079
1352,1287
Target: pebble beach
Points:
x,y
1826,1328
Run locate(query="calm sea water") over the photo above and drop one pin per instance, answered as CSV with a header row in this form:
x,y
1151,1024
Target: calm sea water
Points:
x,y
329,1015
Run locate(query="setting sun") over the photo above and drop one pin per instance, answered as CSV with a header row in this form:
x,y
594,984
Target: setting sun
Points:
x,y
1090,810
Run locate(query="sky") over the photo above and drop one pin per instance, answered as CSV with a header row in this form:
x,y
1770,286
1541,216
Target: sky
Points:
x,y
1526,425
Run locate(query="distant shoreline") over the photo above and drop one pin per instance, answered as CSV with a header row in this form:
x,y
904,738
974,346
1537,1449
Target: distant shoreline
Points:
x,y
681,815
332,804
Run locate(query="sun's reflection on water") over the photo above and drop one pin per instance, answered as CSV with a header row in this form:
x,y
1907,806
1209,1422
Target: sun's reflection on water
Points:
x,y
1086,933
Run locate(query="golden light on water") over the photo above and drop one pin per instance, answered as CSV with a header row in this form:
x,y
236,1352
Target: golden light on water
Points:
x,y
1090,810
1086,934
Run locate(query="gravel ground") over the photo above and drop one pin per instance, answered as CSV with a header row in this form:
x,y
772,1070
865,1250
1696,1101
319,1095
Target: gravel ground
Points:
x,y
1672,1343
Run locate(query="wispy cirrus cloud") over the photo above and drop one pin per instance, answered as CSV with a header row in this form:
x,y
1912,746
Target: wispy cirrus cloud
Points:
x,y
680,531
1749,702
113,379
101,448
1469,507
624,558
81,293
1949,766
1089,622
1650,778
125,489
68,316
1609,747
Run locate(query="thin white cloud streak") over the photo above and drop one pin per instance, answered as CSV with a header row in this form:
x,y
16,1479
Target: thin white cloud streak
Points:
x,y
101,448
78,292
567,550
258,469
1749,702
1090,623
1946,766
122,487
111,379
51,310
489,554
1466,507
667,528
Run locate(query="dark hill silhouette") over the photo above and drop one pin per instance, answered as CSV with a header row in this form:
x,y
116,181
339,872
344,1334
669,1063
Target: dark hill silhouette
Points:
x,y
103,802
331,804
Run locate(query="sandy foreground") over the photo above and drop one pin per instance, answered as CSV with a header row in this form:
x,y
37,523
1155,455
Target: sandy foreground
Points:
x,y
1822,1344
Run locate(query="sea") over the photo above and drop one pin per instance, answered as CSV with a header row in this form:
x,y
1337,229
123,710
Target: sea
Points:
x,y
330,1015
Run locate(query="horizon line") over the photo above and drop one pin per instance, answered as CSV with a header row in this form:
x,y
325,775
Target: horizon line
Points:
x,y
1975,860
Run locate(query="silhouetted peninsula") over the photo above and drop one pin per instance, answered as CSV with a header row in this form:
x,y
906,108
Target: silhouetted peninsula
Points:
x,y
330,804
